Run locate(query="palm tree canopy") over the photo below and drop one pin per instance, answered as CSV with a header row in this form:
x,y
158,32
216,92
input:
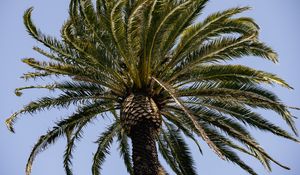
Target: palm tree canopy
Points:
x,y
113,48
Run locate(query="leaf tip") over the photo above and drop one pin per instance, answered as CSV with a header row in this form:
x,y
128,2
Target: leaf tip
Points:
x,y
29,10
18,93
28,169
273,56
9,126
27,60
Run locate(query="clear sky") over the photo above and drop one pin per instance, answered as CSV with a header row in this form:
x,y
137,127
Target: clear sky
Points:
x,y
279,21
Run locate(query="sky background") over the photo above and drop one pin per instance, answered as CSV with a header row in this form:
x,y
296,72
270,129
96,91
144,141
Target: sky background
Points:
x,y
279,21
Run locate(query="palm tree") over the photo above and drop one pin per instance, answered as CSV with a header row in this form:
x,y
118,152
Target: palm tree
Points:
x,y
161,76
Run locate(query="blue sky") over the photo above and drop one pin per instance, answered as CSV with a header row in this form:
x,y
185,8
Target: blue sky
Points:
x,y
279,21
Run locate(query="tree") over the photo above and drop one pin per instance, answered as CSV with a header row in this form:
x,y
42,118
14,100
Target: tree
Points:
x,y
160,76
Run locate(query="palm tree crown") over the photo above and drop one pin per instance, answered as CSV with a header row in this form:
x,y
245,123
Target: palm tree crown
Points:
x,y
151,65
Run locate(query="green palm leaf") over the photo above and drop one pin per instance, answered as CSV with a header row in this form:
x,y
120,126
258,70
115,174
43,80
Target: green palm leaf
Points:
x,y
104,142
179,149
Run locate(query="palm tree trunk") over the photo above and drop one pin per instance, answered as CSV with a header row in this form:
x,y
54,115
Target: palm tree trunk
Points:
x,y
141,121
144,152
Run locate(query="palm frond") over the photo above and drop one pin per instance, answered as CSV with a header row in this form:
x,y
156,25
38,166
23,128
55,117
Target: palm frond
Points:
x,y
246,116
71,146
179,149
230,73
162,27
66,86
167,155
250,95
199,30
35,75
75,72
124,151
217,138
176,26
83,116
48,41
44,103
138,27
223,49
123,147
104,142
234,130
118,31
191,117
233,157
174,119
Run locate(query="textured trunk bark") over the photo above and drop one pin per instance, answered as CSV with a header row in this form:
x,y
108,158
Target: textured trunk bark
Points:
x,y
141,121
144,152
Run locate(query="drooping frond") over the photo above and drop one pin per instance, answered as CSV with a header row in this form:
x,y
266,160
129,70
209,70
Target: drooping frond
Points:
x,y
167,155
246,116
122,139
124,151
172,118
50,42
104,142
71,138
198,105
179,149
63,101
191,117
229,154
218,139
82,117
247,94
